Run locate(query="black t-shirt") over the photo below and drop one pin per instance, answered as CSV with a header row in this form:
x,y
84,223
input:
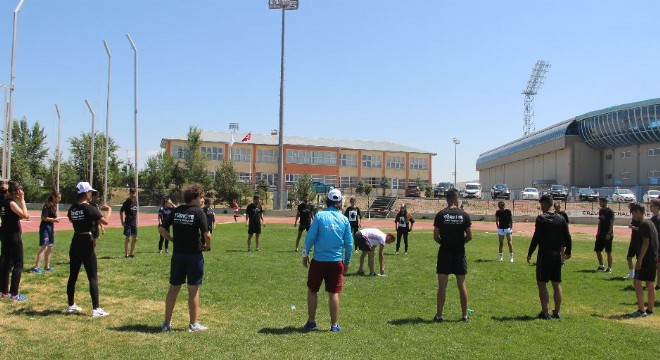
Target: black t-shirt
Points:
x,y
188,228
49,212
564,215
452,223
648,230
605,215
164,212
129,208
655,219
305,212
504,218
11,224
401,220
550,234
210,216
84,217
353,213
254,213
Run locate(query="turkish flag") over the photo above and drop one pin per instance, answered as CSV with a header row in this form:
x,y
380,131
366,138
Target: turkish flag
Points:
x,y
247,137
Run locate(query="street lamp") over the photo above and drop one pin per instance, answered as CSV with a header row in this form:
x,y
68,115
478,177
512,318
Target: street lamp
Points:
x,y
135,124
233,126
456,142
107,124
59,146
283,5
91,145
6,164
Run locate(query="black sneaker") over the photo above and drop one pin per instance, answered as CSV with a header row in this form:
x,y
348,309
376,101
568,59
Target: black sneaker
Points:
x,y
373,274
438,319
465,319
555,315
648,312
543,316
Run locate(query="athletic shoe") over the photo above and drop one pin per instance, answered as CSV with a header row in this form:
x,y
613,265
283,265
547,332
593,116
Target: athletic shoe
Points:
x,y
37,271
543,316
196,327
406,253
396,253
501,258
167,251
600,268
373,274
125,256
98,312
19,298
73,309
608,270
465,319
335,328
555,315
438,319
131,256
50,268
296,249
160,251
511,258
6,296
648,312
360,272
310,326
638,313
382,274
627,276
167,327
657,287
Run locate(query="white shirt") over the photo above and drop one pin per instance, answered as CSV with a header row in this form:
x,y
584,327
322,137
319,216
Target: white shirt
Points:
x,y
373,236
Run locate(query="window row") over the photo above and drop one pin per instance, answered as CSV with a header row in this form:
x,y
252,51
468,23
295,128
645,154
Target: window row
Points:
x,y
311,157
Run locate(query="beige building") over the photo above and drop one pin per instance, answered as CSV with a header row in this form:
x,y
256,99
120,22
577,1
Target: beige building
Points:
x,y
617,146
338,162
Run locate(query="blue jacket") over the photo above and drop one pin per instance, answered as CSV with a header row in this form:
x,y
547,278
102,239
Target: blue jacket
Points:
x,y
330,236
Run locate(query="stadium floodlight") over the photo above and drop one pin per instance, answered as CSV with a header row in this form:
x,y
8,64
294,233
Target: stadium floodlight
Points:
x,y
92,139
456,142
135,125
107,124
533,85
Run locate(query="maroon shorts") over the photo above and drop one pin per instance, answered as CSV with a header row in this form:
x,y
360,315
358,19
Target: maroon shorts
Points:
x,y
330,272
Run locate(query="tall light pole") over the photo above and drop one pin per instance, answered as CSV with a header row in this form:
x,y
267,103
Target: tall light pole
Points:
x,y
283,5
135,123
10,107
91,145
233,126
107,124
59,147
456,142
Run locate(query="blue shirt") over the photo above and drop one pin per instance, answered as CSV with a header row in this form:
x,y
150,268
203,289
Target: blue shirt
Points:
x,y
330,236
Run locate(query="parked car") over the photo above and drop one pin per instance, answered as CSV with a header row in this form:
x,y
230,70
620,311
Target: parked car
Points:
x,y
587,194
413,191
500,191
472,190
441,189
650,195
321,188
530,194
558,192
623,195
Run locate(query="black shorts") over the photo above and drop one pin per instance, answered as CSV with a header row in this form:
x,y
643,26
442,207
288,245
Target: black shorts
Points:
x,y
632,250
304,227
354,228
602,243
188,267
451,263
648,270
548,268
360,242
254,228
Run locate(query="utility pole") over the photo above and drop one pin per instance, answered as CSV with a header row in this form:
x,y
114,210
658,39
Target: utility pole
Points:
x,y
533,85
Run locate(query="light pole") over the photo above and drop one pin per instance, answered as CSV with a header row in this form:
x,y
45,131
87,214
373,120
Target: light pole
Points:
x,y
456,142
233,126
135,122
10,107
107,125
91,145
283,5
59,146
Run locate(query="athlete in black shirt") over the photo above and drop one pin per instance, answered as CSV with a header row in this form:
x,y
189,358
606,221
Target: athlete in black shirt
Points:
x,y
84,217
654,206
191,236
504,223
645,266
451,229
554,242
305,214
354,217
254,218
210,214
163,213
403,224
128,218
47,232
604,235
12,210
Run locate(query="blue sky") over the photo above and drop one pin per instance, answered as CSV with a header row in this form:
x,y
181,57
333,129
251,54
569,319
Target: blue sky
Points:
x,y
416,73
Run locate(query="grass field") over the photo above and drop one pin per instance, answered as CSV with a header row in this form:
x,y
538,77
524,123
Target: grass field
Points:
x,y
247,298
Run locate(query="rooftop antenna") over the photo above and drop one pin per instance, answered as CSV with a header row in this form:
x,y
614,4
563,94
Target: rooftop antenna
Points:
x,y
533,85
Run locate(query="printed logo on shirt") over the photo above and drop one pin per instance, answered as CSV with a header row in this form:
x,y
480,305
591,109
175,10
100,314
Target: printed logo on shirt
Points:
x,y
352,215
402,222
184,219
77,215
452,219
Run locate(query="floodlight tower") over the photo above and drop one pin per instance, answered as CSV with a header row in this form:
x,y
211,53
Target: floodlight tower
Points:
x,y
533,85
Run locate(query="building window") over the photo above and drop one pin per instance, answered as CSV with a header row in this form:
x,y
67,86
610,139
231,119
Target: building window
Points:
x,y
419,163
654,174
311,157
396,162
373,181
348,182
270,178
212,175
291,179
398,183
325,179
626,154
654,152
348,160
625,175
244,177
178,152
267,156
608,156
371,161
241,155
212,153
608,176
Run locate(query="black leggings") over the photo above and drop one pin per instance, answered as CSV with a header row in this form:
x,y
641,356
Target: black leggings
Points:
x,y
82,253
160,243
11,263
400,232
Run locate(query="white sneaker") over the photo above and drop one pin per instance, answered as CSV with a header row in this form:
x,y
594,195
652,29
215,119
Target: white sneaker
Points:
x,y
627,276
73,309
98,312
196,327
511,259
501,258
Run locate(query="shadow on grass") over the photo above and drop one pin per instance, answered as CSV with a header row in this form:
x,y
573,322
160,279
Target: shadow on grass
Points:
x,y
628,288
514,318
484,260
35,313
410,321
283,331
586,271
617,278
147,329
613,317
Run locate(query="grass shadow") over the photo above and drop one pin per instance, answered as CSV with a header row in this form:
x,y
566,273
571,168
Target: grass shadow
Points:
x,y
513,318
35,313
283,331
146,329
628,288
484,260
236,251
613,317
617,278
586,271
410,321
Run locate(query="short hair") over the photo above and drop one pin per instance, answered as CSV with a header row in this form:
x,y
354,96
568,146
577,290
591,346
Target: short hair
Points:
x,y
546,199
500,203
132,191
207,201
192,192
166,199
256,197
637,207
655,202
557,204
452,195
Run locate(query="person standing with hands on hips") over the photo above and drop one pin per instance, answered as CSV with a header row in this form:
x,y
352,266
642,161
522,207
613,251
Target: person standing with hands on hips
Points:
x,y
12,210
354,216
254,218
403,223
604,235
128,218
191,237
305,214
331,238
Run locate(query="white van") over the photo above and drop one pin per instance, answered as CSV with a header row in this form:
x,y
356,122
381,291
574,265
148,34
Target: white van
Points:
x,y
472,190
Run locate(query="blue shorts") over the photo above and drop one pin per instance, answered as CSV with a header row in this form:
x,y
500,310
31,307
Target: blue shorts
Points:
x,y
47,235
186,266
130,230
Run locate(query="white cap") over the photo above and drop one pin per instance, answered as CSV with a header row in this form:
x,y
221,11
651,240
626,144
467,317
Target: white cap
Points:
x,y
334,195
84,187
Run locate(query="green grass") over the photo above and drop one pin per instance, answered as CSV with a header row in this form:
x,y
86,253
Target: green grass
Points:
x,y
246,300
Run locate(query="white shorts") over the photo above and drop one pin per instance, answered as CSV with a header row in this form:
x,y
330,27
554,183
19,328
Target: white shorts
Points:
x,y
503,232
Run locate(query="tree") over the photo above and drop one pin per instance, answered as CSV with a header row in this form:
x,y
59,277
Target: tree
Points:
x,y
28,155
227,185
359,188
156,177
384,183
79,149
262,188
178,179
195,160
303,187
428,190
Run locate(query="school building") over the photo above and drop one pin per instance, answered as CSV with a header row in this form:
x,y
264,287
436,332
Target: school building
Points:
x,y
338,162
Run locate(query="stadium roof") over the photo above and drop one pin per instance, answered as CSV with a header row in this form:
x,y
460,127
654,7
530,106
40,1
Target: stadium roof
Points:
x,y
262,139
